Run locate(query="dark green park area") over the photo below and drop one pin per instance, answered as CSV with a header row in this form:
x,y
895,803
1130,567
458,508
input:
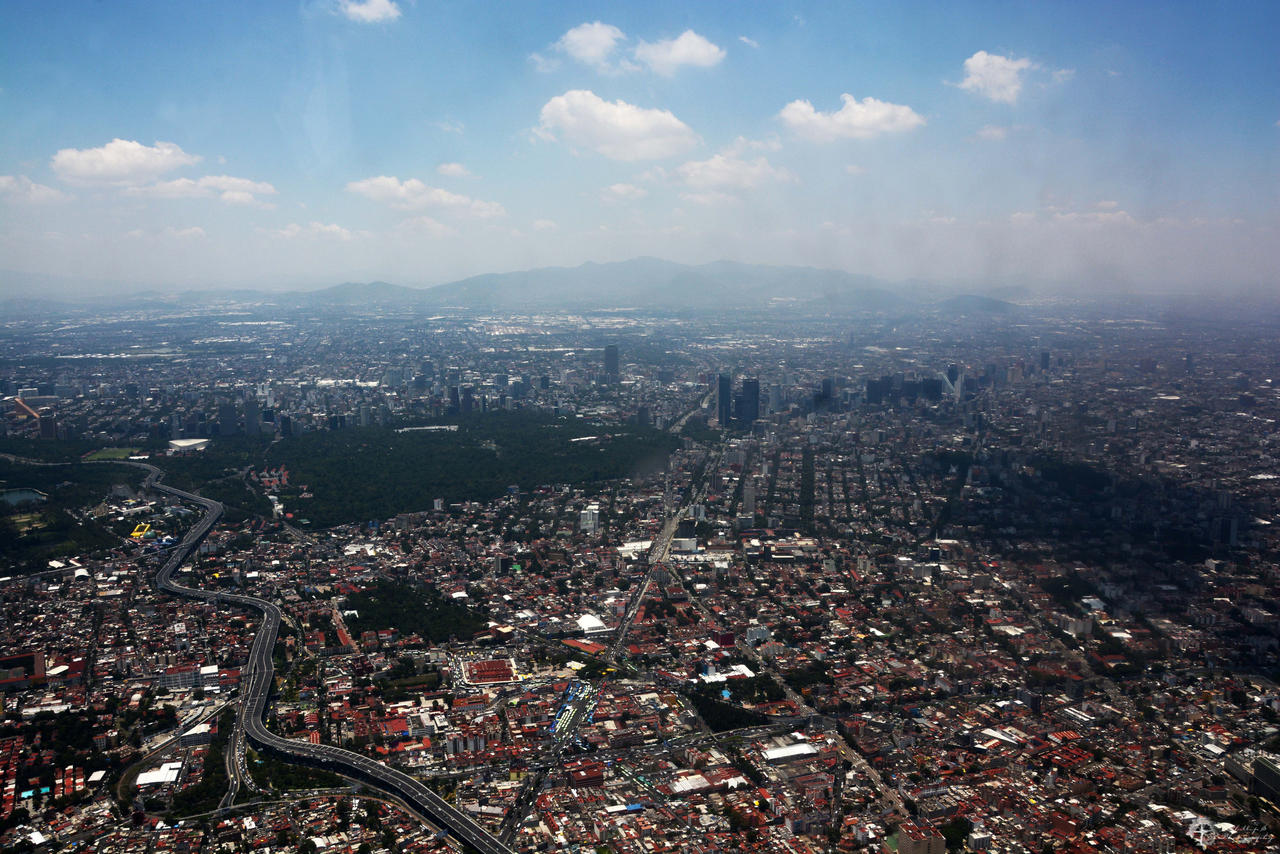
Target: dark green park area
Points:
x,y
411,609
33,533
374,473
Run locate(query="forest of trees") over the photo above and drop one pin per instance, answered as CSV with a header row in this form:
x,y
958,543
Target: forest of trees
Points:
x,y
34,533
411,609
374,473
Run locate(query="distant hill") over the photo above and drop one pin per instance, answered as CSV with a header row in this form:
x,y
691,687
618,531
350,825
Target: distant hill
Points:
x,y
974,304
654,283
640,283
359,293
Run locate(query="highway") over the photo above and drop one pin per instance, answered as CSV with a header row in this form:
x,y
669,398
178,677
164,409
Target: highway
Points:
x,y
256,680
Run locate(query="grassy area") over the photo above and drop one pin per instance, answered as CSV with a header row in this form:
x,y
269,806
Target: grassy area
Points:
x,y
111,454
33,534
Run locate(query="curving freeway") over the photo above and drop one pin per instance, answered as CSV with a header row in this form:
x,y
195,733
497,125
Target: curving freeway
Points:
x,y
255,686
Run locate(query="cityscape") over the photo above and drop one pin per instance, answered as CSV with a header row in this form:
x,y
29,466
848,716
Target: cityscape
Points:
x,y
989,576
655,428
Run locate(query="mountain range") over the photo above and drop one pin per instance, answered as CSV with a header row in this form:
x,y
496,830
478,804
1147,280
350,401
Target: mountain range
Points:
x,y
640,283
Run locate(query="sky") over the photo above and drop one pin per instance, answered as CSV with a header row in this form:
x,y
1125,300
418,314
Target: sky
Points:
x,y
1078,145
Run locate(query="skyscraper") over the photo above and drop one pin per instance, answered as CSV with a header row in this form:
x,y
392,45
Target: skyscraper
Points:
x,y
750,401
724,399
252,416
611,362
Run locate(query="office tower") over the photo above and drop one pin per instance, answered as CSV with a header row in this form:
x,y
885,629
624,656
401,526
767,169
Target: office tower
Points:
x,y
723,400
750,401
1044,360
611,362
455,404
252,416
228,420
468,399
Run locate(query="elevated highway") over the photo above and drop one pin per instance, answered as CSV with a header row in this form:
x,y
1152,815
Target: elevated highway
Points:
x,y
256,680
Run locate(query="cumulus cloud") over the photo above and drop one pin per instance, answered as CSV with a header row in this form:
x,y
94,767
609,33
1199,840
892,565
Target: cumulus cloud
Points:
x,y
229,189
665,57
748,42
727,171
328,231
21,188
713,197
170,232
121,162
414,195
855,120
453,170
591,43
997,78
427,225
623,192
995,133
615,129
370,11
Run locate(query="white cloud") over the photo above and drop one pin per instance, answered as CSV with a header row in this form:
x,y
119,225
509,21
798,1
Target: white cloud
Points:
x,y
453,170
1062,75
414,194
665,57
121,162
1107,205
226,187
741,144
730,172
615,129
748,42
195,232
428,225
855,120
544,64
329,231
994,133
997,78
713,197
22,188
623,192
591,44
854,169
544,225
370,11
450,126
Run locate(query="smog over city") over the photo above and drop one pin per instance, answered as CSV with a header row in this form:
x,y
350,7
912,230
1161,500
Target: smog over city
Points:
x,y
691,427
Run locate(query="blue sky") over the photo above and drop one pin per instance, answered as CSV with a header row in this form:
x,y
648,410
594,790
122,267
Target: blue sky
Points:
x,y
273,144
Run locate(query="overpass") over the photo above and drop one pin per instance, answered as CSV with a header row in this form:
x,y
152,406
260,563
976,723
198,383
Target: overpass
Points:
x,y
255,688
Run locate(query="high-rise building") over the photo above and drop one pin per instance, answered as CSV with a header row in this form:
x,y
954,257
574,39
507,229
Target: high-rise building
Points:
x,y
228,420
611,362
724,399
1044,360
252,416
750,401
